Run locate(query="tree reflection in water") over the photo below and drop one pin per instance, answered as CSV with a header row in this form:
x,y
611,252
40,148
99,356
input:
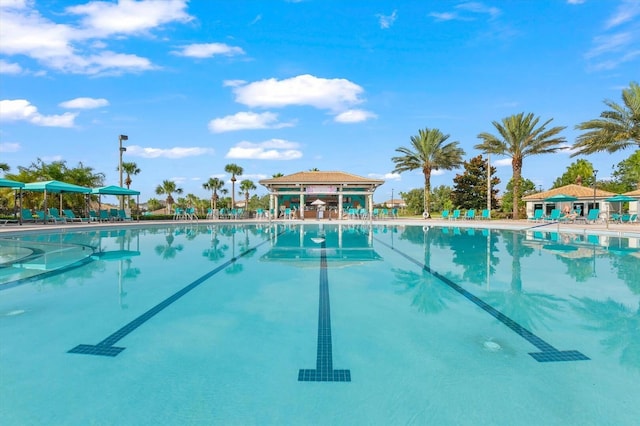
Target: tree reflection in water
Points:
x,y
169,251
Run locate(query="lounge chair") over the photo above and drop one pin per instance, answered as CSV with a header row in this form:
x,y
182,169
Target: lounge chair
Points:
x,y
55,214
471,214
538,216
554,216
455,215
68,213
629,218
45,217
27,216
486,214
122,215
104,216
593,216
93,216
445,214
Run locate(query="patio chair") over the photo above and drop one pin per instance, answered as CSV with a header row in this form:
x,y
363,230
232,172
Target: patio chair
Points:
x,y
554,216
45,217
593,216
113,214
455,215
629,218
445,214
122,215
27,216
471,214
103,216
55,214
486,214
68,213
93,216
538,215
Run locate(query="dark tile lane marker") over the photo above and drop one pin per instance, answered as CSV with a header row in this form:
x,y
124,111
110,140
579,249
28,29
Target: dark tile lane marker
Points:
x,y
106,348
547,353
324,371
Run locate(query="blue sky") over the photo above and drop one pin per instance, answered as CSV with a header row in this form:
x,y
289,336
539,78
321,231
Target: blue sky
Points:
x,y
285,86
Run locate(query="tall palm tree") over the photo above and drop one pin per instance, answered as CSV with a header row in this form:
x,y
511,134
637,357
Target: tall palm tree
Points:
x,y
245,186
235,170
168,187
616,129
519,136
277,175
5,167
429,151
131,169
213,185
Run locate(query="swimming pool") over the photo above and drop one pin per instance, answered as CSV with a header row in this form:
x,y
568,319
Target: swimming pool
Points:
x,y
319,324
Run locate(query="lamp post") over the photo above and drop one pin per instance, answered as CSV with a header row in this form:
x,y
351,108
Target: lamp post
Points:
x,y
595,172
488,181
392,198
122,149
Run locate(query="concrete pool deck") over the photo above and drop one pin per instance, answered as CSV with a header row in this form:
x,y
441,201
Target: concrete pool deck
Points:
x,y
610,228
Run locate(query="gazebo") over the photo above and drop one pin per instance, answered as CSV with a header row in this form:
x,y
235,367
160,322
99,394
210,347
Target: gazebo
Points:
x,y
16,186
54,187
118,191
337,190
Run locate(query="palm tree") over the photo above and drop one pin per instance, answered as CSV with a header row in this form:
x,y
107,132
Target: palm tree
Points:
x,y
245,186
520,137
5,167
168,187
428,152
131,169
235,170
616,129
213,185
277,175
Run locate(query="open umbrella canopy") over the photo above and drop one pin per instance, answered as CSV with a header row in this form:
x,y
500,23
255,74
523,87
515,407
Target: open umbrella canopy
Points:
x,y
620,198
318,202
6,183
114,190
54,186
560,198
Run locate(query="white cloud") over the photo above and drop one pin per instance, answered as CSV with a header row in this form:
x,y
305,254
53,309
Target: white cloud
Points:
x,y
479,8
9,147
246,120
102,19
386,176
467,12
274,149
503,162
84,103
387,21
444,16
208,50
23,110
9,68
177,152
575,1
77,48
333,94
354,116
627,11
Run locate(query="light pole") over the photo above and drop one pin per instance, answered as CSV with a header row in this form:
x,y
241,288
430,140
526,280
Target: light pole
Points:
x,y
392,198
489,182
122,149
595,172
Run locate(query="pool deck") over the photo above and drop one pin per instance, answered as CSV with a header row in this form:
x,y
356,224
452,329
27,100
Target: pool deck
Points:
x,y
610,228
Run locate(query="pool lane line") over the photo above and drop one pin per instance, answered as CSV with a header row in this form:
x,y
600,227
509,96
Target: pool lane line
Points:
x,y
324,371
547,353
106,348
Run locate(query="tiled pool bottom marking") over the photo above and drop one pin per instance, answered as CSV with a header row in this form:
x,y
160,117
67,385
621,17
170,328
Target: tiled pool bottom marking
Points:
x,y
547,352
106,348
324,371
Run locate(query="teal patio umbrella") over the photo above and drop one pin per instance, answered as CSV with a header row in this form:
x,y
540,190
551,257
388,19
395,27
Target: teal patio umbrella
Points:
x,y
15,185
560,198
620,198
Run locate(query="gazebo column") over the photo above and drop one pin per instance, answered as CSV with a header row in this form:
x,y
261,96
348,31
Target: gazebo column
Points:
x,y
301,203
340,207
276,207
370,206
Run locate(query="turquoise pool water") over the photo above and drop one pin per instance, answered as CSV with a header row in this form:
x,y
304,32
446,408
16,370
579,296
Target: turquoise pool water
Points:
x,y
310,324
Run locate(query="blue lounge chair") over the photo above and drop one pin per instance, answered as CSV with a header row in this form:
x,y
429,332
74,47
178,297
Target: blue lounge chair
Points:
x,y
471,214
445,214
554,216
27,216
593,216
538,216
68,213
455,215
122,215
55,214
486,214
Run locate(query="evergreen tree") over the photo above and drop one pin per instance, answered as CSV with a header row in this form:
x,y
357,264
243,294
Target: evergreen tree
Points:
x,y
526,186
580,172
628,172
470,187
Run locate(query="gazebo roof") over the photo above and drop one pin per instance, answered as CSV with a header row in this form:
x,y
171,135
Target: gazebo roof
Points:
x,y
577,191
318,177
